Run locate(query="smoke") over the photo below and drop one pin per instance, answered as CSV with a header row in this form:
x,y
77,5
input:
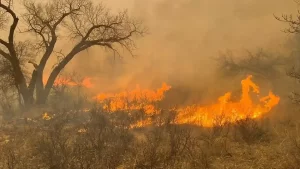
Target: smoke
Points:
x,y
184,37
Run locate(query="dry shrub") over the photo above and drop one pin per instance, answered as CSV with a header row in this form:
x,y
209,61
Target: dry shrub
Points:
x,y
250,131
99,139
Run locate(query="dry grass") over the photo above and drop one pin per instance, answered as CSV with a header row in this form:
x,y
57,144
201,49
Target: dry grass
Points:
x,y
70,140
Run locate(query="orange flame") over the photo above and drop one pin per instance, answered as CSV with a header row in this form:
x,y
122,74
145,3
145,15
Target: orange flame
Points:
x,y
228,111
133,100
224,111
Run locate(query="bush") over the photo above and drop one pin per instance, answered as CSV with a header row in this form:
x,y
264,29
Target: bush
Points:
x,y
250,131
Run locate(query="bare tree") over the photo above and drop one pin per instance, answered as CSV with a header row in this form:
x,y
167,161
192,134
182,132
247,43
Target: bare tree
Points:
x,y
292,21
88,24
293,28
260,63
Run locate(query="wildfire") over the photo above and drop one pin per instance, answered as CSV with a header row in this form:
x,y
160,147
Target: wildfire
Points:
x,y
226,110
135,99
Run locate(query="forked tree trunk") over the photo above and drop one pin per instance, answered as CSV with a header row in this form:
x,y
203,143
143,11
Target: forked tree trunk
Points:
x,y
42,92
28,99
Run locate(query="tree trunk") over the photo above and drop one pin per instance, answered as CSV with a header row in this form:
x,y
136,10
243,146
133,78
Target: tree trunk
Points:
x,y
42,93
27,98
41,96
39,87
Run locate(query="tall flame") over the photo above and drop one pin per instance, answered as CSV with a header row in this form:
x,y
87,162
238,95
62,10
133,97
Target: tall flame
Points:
x,y
228,111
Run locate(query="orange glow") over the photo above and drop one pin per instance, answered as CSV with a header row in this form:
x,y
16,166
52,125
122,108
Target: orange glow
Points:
x,y
223,111
86,82
46,116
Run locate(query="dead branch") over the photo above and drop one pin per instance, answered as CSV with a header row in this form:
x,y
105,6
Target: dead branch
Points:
x,y
292,21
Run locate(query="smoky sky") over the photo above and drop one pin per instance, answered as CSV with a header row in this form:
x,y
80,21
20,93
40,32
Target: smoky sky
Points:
x,y
183,38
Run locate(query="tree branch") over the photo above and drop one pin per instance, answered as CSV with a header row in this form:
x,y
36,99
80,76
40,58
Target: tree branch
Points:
x,y
64,15
294,24
97,27
14,24
4,43
4,54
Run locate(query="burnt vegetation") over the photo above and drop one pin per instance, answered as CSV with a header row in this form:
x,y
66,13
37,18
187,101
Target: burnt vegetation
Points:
x,y
64,135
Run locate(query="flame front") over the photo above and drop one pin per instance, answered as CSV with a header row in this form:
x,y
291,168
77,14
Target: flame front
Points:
x,y
224,111
136,99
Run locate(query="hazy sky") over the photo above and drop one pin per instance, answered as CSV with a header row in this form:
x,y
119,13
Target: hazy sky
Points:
x,y
184,36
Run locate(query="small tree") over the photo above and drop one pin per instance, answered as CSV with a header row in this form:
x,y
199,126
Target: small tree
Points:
x,y
293,28
261,63
87,24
